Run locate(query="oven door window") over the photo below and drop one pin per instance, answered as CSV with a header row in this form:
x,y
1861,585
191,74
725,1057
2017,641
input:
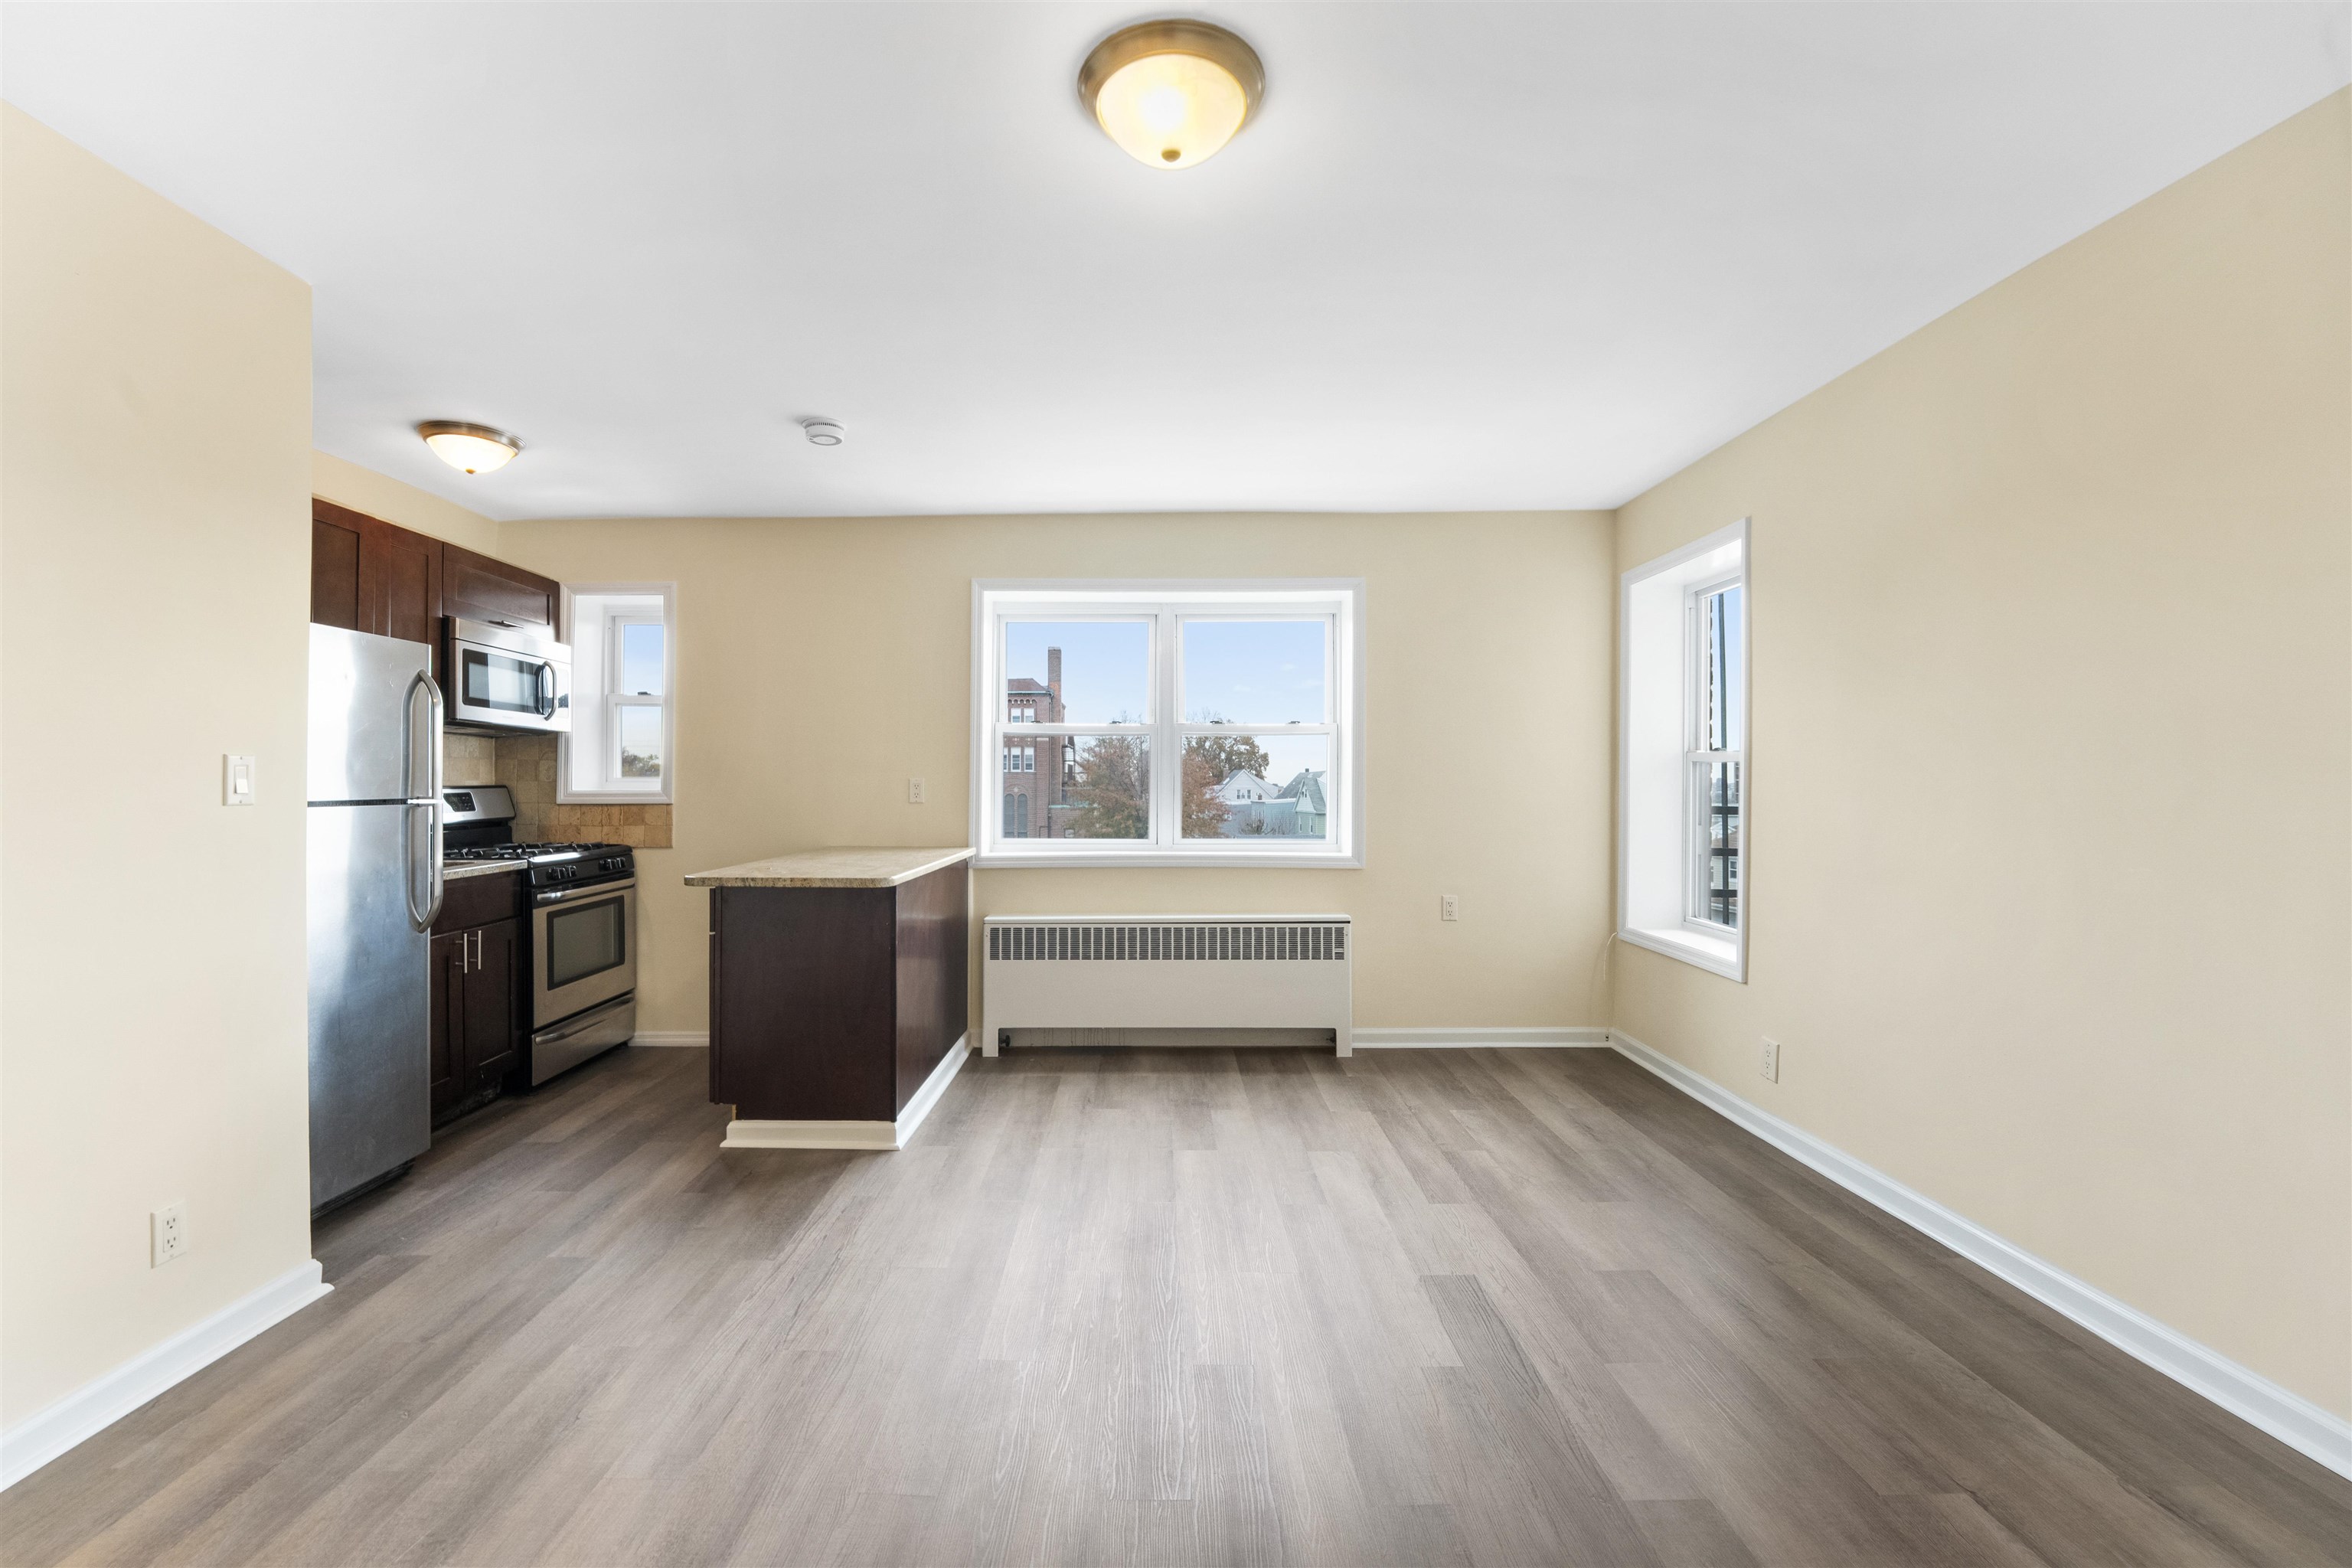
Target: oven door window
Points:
x,y
585,940
501,682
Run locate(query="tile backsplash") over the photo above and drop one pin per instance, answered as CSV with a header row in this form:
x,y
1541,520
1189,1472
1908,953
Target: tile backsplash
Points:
x,y
526,764
468,760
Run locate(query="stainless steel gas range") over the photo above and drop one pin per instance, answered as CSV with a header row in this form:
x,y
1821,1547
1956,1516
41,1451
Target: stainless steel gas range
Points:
x,y
581,949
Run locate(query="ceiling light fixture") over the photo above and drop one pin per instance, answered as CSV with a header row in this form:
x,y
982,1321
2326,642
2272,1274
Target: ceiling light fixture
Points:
x,y
1173,92
472,449
823,432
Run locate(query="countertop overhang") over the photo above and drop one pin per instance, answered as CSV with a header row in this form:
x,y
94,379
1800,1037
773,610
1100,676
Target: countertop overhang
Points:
x,y
831,868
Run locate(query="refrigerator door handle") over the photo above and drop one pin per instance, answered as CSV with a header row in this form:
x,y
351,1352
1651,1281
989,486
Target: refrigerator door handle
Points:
x,y
422,918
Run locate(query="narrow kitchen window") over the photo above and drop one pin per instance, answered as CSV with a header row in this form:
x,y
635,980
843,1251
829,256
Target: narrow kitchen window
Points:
x,y
624,669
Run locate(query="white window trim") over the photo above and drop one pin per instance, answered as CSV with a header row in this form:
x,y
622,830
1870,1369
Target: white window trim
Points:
x,y
1080,599
667,793
1701,943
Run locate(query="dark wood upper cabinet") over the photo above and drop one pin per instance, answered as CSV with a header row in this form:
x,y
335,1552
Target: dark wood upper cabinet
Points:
x,y
481,589
370,575
400,583
334,567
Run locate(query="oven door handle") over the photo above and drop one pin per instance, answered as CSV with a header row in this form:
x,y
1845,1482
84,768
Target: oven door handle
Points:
x,y
548,896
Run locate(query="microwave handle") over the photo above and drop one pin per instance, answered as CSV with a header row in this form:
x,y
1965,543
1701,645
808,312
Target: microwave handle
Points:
x,y
546,690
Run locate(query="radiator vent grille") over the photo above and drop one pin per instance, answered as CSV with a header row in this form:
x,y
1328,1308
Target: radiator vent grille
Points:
x,y
1127,942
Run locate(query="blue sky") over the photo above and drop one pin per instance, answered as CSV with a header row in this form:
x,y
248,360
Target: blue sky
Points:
x,y
641,659
1253,672
1106,665
1734,605
1243,672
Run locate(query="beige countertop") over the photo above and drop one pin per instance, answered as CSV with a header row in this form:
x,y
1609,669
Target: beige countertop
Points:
x,y
831,868
451,870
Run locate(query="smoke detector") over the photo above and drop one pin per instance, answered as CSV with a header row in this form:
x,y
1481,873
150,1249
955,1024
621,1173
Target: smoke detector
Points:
x,y
823,432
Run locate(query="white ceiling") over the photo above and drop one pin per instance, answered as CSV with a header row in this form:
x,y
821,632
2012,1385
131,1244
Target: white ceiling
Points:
x,y
1470,256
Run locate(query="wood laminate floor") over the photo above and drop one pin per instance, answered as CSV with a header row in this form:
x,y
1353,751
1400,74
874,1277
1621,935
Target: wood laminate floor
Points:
x,y
1444,1307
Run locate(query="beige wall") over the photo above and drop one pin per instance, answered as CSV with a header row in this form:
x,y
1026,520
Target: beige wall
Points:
x,y
821,663
155,466
2050,767
364,489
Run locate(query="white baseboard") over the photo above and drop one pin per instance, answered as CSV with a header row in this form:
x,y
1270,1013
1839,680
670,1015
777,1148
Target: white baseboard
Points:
x,y
96,1406
871,1135
1474,1039
671,1037
2240,1390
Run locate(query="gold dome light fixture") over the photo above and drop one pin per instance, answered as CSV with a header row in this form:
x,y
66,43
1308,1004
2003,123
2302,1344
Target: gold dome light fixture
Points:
x,y
1173,92
471,448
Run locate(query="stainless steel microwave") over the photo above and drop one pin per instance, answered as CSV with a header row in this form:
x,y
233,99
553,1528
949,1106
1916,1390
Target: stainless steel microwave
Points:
x,y
507,677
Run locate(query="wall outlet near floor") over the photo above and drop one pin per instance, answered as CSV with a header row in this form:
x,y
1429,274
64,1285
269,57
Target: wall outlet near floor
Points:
x,y
1771,1061
1449,906
236,781
169,1234
914,791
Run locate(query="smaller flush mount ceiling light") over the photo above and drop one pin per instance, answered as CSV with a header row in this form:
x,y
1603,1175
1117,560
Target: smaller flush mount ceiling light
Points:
x,y
471,448
823,432
1171,94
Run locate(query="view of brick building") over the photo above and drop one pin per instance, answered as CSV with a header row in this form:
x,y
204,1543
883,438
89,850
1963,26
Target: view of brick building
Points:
x,y
1037,773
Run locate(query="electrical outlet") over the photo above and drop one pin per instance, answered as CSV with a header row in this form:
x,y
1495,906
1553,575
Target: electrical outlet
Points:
x,y
914,791
1771,1061
236,781
1449,906
169,1226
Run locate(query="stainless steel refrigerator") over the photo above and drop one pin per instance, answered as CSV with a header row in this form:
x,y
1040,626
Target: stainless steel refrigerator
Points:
x,y
374,874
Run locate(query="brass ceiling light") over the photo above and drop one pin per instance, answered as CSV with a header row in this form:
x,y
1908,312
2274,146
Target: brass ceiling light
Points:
x,y
470,448
1171,94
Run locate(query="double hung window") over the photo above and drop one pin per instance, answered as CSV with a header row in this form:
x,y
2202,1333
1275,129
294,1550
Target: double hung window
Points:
x,y
1683,784
1177,723
624,669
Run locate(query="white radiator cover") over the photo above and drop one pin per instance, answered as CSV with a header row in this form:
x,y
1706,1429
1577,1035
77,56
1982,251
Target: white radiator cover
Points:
x,y
1166,971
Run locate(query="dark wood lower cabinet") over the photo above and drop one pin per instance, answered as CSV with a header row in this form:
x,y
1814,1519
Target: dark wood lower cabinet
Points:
x,y
491,996
835,1004
476,992
448,1017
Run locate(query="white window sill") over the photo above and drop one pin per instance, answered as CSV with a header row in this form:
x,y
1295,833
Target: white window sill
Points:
x,y
611,797
1715,954
1320,861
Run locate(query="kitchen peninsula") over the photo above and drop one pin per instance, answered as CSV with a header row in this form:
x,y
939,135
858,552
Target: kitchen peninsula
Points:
x,y
839,986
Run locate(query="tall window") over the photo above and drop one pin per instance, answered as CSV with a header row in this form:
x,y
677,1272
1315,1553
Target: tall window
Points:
x,y
1170,723
624,672
1717,691
1683,754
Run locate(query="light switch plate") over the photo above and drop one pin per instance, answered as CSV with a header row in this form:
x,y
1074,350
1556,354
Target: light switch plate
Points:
x,y
236,781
